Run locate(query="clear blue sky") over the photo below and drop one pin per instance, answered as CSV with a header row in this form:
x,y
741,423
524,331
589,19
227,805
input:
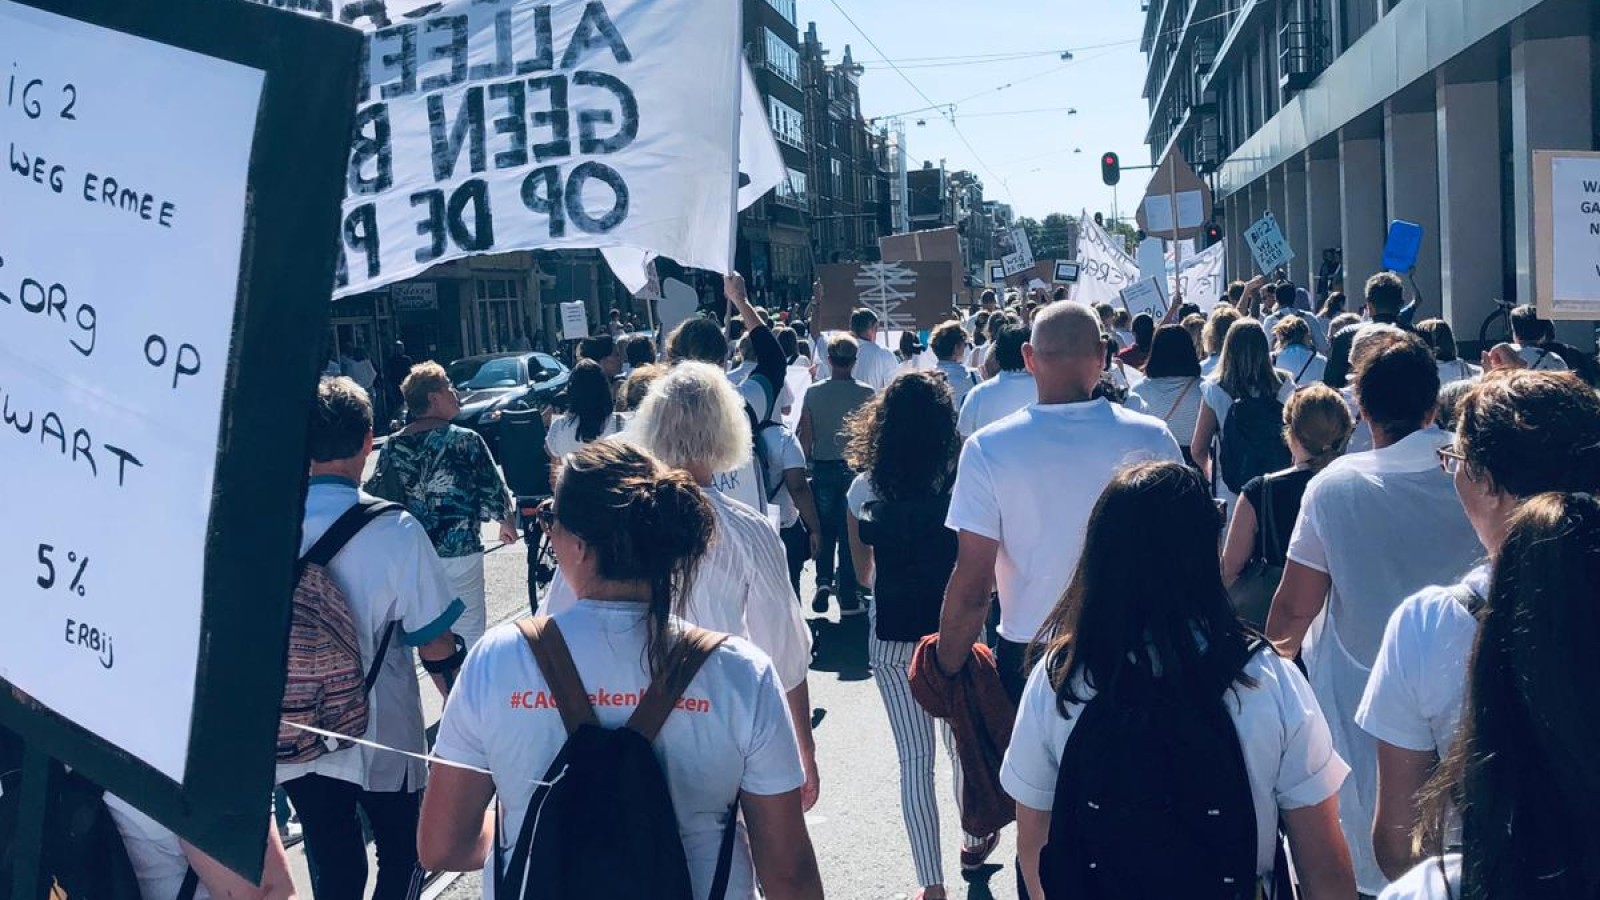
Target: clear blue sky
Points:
x,y
1024,160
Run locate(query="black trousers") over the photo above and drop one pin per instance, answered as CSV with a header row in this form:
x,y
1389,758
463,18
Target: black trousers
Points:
x,y
797,545
336,846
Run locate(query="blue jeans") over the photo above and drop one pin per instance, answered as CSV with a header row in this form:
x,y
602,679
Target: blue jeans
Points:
x,y
830,480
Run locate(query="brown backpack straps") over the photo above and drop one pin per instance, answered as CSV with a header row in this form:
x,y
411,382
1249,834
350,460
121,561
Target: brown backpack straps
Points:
x,y
555,663
692,650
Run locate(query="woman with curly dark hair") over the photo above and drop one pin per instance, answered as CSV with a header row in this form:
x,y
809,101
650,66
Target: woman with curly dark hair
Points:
x,y
905,444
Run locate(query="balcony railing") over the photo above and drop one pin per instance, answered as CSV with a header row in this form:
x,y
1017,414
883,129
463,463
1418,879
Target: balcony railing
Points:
x,y
1303,54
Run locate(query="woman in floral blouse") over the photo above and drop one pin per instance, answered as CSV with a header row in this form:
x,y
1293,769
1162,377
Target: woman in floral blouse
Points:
x,y
445,477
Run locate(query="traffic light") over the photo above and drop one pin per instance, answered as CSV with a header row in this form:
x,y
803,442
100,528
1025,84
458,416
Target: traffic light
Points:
x,y
1213,234
1110,168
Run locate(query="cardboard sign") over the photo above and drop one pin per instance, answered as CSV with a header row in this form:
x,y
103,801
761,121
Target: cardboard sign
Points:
x,y
1145,297
907,296
574,321
1566,207
154,430
1066,272
1404,244
1019,258
1177,203
1268,245
940,244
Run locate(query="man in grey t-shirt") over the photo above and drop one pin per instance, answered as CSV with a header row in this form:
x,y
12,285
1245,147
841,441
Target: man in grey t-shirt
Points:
x,y
827,407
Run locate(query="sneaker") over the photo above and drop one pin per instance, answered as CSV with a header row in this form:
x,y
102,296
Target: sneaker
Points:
x,y
973,860
291,831
819,600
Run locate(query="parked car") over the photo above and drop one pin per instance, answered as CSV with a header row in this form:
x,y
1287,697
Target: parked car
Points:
x,y
491,385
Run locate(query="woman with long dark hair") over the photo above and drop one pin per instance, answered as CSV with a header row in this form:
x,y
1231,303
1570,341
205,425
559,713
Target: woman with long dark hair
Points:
x,y
1171,388
1155,643
905,444
1521,779
591,412
630,534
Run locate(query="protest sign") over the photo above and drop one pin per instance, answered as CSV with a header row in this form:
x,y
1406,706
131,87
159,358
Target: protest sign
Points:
x,y
678,302
1016,253
1268,245
1201,279
942,244
574,321
164,260
1066,272
1105,267
907,296
997,273
1152,257
1177,202
1566,206
1145,297
1403,245
486,126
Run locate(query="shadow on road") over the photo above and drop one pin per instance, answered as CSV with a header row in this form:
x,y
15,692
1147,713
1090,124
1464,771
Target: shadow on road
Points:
x,y
840,647
978,882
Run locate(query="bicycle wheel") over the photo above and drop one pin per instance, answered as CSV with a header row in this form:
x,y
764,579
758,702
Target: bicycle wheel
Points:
x,y
1496,329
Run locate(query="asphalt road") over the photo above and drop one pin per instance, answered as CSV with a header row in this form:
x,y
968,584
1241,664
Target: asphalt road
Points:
x,y
861,843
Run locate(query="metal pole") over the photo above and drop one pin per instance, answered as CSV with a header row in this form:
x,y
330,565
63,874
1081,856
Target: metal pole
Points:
x,y
28,858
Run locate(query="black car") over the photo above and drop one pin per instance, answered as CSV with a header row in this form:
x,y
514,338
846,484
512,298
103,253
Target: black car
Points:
x,y
492,384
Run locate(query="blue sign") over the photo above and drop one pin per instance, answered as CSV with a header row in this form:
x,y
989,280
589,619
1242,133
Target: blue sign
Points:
x,y
1405,242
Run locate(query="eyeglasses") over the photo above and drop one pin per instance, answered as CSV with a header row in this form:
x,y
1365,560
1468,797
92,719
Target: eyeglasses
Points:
x,y
1450,459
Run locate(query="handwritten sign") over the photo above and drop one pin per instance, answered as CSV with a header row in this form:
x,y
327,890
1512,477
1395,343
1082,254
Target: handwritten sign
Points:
x,y
1567,224
1268,245
487,126
1145,297
172,180
1019,257
574,321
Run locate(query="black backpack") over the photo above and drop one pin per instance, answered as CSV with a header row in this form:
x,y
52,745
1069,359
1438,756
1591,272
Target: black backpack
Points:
x,y
604,825
914,554
1153,801
1252,441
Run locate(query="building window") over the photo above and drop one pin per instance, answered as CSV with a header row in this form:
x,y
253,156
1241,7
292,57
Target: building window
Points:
x,y
784,8
836,185
794,191
782,59
497,319
788,124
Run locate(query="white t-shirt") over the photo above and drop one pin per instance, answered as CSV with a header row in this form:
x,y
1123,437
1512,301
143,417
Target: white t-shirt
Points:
x,y
1427,882
962,379
730,733
1174,400
783,453
741,588
1220,401
875,365
1540,359
1208,366
1030,482
1303,364
1457,370
990,401
1382,525
1361,435
389,572
1288,754
158,859
796,381
1418,685
562,438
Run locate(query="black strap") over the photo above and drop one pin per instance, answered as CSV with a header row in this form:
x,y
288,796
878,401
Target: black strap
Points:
x,y
1309,360
1543,355
191,884
719,882
377,659
1266,520
345,528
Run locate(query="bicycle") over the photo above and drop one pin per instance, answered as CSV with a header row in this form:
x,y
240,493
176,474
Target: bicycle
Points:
x,y
1496,329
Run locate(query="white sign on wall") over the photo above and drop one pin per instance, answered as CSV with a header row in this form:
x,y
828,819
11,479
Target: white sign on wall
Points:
x,y
1268,245
416,297
115,332
574,321
1567,216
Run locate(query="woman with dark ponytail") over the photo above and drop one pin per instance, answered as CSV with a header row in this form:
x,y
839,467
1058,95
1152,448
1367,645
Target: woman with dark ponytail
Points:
x,y
630,534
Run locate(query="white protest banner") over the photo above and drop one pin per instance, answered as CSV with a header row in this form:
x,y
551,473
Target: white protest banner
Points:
x,y
1145,297
574,321
678,302
486,126
1567,231
1019,258
1201,278
1268,245
1104,266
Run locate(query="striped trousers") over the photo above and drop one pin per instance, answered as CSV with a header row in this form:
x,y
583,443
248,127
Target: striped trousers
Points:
x,y
914,741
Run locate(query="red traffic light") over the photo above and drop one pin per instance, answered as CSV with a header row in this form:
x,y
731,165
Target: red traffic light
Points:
x,y
1110,168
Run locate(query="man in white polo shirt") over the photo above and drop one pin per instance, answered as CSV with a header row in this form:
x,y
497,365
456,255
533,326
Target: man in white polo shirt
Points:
x,y
1374,528
1011,390
1026,485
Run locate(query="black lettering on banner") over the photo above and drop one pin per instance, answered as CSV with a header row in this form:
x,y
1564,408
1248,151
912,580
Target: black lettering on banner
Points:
x,y
433,226
71,93
480,236
185,362
547,201
501,67
123,458
514,123
628,105
454,50
619,204
361,235
595,29
556,118
355,11
448,139
405,59
545,42
372,143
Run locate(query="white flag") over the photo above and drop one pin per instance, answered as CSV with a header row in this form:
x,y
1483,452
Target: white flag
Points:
x,y
487,126
1105,267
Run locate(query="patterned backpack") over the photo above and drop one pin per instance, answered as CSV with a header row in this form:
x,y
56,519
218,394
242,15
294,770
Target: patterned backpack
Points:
x,y
325,687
